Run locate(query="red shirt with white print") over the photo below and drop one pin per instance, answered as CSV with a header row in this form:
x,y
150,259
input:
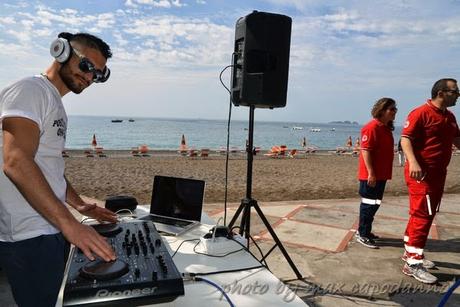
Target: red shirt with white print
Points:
x,y
431,132
377,139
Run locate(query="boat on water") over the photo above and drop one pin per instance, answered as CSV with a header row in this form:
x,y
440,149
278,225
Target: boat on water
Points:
x,y
315,130
332,129
131,120
297,128
117,120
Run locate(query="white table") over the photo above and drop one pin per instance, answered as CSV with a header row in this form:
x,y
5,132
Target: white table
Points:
x,y
248,287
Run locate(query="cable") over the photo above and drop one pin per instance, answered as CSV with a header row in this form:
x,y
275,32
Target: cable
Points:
x,y
177,249
260,251
448,294
228,139
193,275
121,210
217,287
216,256
131,214
85,219
215,229
256,245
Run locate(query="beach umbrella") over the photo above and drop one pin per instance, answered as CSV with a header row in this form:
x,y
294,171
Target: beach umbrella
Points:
x,y
94,142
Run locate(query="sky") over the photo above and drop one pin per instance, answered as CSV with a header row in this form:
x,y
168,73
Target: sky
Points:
x,y
168,54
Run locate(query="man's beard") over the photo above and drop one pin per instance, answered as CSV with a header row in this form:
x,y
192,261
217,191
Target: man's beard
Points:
x,y
66,76
452,103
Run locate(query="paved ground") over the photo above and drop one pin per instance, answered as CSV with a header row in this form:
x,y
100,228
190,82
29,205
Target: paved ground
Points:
x,y
318,236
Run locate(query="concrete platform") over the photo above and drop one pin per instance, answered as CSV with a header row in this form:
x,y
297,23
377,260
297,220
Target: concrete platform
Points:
x,y
319,237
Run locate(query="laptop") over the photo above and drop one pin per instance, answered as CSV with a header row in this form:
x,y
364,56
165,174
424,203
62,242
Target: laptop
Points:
x,y
176,204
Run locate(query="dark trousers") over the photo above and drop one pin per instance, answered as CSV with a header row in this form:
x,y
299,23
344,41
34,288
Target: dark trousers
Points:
x,y
370,203
35,268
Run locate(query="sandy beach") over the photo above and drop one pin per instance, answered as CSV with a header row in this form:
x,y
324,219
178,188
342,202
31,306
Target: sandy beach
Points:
x,y
314,176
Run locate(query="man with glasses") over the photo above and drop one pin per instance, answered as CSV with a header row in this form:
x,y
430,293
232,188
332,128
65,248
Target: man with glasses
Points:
x,y
375,166
35,224
427,138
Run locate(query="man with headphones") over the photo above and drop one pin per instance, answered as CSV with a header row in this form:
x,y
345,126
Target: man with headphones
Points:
x,y
35,224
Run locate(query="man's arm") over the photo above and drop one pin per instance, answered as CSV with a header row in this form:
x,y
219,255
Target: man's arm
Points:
x,y
371,179
415,171
20,143
91,210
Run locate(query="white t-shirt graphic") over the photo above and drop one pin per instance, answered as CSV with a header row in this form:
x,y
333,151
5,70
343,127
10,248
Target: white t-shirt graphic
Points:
x,y
37,99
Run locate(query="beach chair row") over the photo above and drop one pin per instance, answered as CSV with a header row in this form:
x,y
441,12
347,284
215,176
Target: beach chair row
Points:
x,y
89,153
282,151
144,151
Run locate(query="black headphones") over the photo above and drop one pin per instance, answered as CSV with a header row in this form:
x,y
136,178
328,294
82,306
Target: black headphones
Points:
x,y
62,51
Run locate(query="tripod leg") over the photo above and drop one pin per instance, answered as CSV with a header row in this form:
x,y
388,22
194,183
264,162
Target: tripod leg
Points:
x,y
235,217
245,210
246,220
277,240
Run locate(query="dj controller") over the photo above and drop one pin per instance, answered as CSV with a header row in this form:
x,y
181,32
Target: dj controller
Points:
x,y
143,273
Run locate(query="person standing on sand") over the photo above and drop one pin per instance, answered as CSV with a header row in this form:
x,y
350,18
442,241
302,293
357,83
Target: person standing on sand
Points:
x,y
375,166
427,138
357,143
401,157
349,143
35,224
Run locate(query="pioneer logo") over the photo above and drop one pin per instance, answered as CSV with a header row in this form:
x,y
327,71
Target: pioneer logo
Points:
x,y
104,293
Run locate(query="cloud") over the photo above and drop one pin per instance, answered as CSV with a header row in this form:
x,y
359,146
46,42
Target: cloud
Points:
x,y
121,41
155,3
7,20
8,49
295,3
184,41
130,3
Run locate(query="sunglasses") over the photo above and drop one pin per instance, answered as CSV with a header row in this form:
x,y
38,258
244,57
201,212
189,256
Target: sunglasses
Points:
x,y
85,65
456,92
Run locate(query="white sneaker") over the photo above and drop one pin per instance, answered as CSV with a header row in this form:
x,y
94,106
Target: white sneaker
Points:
x,y
419,272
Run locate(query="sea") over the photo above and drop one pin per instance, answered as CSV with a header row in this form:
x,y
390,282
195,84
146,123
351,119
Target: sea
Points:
x,y
166,134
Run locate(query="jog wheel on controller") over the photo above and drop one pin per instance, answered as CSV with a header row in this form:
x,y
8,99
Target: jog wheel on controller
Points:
x,y
108,230
101,270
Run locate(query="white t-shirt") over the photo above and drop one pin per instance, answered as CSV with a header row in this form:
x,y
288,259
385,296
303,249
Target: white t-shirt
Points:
x,y
37,99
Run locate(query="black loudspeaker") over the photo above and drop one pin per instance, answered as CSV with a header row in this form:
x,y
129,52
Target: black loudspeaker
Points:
x,y
261,60
119,202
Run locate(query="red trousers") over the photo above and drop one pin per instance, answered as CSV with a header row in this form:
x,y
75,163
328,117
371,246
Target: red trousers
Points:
x,y
424,199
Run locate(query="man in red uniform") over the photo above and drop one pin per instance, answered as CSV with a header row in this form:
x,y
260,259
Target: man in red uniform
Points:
x,y
375,166
427,138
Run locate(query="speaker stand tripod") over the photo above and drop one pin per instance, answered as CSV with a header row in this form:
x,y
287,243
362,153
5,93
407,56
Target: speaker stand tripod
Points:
x,y
248,202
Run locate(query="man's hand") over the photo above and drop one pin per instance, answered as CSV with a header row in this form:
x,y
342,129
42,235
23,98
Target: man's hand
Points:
x,y
98,213
371,180
415,171
88,240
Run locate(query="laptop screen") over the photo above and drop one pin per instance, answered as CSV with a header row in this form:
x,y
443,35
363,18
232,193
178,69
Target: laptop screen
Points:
x,y
177,197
